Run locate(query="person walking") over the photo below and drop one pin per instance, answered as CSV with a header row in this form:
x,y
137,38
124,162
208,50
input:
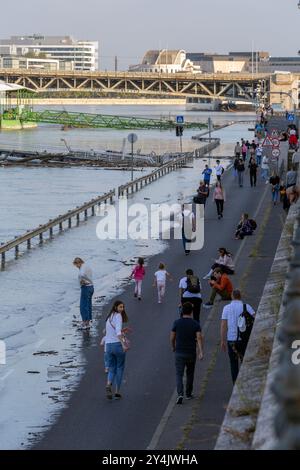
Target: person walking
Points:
x,y
275,185
190,291
265,169
85,278
219,198
188,226
202,194
237,150
207,172
116,348
291,178
240,170
186,338
138,274
235,167
160,281
258,153
219,170
230,339
221,285
244,151
224,261
253,171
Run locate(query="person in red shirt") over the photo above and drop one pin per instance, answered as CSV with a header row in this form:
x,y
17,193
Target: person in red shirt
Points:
x,y
293,141
221,285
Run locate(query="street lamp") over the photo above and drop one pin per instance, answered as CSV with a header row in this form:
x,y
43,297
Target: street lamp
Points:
x,y
132,138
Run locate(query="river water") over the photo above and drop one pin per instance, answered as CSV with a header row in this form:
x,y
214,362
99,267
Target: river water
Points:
x,y
39,292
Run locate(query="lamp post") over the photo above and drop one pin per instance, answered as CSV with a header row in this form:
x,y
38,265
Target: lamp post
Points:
x,y
132,138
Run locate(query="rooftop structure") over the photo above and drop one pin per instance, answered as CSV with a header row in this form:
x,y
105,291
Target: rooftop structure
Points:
x,y
165,61
84,54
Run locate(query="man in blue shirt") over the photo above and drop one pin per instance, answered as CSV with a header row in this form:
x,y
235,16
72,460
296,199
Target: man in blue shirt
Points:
x,y
185,336
207,174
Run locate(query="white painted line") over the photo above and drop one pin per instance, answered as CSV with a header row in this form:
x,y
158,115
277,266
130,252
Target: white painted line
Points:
x,y
172,403
7,374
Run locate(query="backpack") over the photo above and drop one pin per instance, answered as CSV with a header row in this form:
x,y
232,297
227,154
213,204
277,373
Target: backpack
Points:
x,y
193,284
245,324
253,224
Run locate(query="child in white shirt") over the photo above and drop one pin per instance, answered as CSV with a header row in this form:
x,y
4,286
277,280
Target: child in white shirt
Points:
x,y
160,281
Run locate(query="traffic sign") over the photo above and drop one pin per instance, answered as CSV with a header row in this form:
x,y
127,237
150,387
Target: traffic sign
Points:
x,y
267,142
276,152
290,117
274,134
275,142
132,138
180,119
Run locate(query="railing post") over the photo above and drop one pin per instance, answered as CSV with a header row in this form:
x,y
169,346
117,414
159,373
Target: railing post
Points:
x,y
60,226
51,232
41,238
3,260
86,213
16,251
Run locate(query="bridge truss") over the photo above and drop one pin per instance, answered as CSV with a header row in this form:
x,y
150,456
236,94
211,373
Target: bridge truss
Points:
x,y
233,86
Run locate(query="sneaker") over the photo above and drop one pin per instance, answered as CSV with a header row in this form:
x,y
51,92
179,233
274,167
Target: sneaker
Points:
x,y
118,396
189,397
140,298
108,392
179,400
208,305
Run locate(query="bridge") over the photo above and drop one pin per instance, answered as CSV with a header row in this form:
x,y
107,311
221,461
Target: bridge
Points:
x,y
233,86
75,119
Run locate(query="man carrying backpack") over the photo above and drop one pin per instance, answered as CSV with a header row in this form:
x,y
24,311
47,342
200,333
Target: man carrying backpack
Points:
x,y
190,291
236,326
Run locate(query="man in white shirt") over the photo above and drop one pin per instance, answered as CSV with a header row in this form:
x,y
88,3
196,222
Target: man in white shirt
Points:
x,y
219,170
229,332
265,169
185,294
85,278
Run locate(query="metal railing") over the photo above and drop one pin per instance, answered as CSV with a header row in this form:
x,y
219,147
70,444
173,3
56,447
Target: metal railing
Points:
x,y
51,224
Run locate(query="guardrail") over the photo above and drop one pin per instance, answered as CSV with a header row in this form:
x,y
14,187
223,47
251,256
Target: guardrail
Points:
x,y
125,189
139,183
49,226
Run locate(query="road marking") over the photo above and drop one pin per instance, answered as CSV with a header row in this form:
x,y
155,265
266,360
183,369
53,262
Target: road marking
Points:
x,y
171,405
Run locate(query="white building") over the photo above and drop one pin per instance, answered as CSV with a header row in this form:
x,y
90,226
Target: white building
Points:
x,y
84,54
165,61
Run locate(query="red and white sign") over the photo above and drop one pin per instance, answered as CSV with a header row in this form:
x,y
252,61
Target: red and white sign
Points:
x,y
275,152
267,142
275,142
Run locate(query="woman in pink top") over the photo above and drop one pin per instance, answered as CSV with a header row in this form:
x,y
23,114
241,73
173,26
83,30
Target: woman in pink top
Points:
x,y
138,274
219,198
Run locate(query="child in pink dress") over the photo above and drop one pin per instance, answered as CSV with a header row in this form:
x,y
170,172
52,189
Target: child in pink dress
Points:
x,y
138,274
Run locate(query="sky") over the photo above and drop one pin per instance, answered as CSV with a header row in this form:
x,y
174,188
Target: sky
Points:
x,y
128,28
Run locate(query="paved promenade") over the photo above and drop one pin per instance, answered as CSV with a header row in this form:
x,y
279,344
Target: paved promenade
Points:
x,y
147,417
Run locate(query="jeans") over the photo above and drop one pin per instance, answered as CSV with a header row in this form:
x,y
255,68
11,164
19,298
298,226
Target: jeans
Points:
x,y
220,206
265,173
241,177
106,360
182,362
116,363
86,302
258,159
275,195
196,302
138,287
236,354
253,179
224,294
